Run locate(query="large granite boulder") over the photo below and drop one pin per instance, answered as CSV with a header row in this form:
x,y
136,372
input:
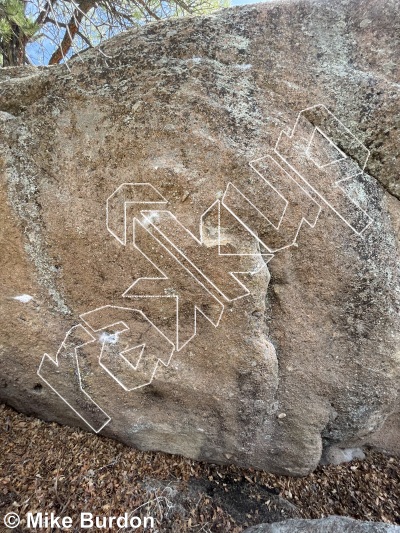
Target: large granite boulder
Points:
x,y
200,235
332,524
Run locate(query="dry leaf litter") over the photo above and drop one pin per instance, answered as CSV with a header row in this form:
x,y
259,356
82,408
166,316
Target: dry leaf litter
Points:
x,y
49,468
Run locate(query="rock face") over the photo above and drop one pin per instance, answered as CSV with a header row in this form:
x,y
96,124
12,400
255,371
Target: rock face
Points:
x,y
332,524
161,290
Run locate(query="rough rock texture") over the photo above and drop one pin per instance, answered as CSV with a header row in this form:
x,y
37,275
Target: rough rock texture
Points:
x,y
268,368
332,524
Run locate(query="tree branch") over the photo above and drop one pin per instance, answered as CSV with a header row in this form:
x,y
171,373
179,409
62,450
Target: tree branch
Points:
x,y
72,30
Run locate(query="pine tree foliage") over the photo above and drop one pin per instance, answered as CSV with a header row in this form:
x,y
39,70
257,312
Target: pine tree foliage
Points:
x,y
51,31
16,28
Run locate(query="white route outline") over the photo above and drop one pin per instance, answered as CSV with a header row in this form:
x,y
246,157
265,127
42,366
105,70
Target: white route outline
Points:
x,y
200,242
121,354
165,277
56,363
162,201
157,199
307,151
277,227
337,183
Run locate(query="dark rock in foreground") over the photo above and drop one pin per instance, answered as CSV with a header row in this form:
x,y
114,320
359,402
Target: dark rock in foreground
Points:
x,y
332,524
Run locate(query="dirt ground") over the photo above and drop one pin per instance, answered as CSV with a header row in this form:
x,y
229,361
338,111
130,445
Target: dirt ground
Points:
x,y
48,468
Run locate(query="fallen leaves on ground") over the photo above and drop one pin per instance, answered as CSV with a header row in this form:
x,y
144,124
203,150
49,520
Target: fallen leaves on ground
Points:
x,y
49,468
